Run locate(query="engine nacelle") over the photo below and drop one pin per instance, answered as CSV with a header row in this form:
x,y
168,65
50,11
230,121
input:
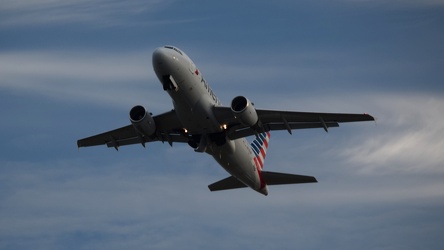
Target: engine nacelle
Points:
x,y
244,111
142,121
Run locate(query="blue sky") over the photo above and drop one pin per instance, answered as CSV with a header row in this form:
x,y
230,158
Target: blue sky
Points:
x,y
70,69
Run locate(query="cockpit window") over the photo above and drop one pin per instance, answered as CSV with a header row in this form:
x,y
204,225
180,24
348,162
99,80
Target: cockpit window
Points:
x,y
174,48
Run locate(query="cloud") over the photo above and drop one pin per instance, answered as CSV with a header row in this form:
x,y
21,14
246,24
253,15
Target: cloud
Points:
x,y
83,65
96,12
381,185
408,137
100,78
119,203
405,3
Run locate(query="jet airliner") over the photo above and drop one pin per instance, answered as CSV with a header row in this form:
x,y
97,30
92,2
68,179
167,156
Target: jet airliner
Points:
x,y
199,119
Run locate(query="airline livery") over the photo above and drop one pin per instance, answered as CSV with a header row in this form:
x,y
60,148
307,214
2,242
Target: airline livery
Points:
x,y
199,119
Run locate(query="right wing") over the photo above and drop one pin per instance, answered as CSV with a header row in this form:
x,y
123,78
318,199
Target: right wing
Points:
x,y
168,129
285,120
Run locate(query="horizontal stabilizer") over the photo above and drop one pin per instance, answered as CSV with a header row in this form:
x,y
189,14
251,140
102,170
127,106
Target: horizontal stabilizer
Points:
x,y
273,178
227,183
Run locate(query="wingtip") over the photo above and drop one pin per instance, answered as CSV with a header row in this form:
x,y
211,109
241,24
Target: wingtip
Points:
x,y
370,116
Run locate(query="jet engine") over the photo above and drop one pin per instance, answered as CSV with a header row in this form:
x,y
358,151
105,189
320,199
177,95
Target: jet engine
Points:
x,y
244,111
142,121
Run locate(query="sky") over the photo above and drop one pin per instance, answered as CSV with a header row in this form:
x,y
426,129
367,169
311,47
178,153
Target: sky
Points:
x,y
71,69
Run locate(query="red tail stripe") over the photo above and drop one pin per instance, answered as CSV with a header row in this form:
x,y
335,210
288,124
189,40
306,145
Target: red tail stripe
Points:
x,y
260,162
263,153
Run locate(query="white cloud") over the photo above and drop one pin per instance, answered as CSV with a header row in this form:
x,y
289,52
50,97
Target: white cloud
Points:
x,y
96,12
123,204
408,3
118,79
408,137
115,201
83,65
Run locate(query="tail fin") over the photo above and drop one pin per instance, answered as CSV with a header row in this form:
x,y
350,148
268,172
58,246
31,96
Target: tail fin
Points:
x,y
259,146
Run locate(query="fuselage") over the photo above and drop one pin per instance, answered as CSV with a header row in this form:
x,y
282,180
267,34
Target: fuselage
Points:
x,y
193,101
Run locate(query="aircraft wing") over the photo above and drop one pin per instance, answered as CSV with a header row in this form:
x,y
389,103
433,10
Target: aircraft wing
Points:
x,y
285,120
168,127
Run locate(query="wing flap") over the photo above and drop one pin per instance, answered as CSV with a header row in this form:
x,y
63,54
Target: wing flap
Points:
x,y
138,140
236,133
113,135
167,125
267,116
285,120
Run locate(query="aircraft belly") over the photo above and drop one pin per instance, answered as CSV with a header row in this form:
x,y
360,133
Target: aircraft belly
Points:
x,y
193,101
193,106
239,164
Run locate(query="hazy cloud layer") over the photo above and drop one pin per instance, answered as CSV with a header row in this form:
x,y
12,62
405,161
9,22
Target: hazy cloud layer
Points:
x,y
70,69
54,12
408,138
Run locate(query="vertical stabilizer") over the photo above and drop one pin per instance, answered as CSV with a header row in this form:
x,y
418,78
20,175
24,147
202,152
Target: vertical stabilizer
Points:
x,y
259,146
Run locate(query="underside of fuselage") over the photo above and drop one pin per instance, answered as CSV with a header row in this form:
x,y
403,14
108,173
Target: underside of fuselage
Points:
x,y
193,101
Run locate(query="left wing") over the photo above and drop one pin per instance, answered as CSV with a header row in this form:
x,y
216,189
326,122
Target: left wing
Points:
x,y
284,120
168,129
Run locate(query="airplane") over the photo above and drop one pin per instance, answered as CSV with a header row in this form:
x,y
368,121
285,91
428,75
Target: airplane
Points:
x,y
200,119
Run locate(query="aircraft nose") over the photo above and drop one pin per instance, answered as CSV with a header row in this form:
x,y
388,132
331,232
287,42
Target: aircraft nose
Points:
x,y
160,56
